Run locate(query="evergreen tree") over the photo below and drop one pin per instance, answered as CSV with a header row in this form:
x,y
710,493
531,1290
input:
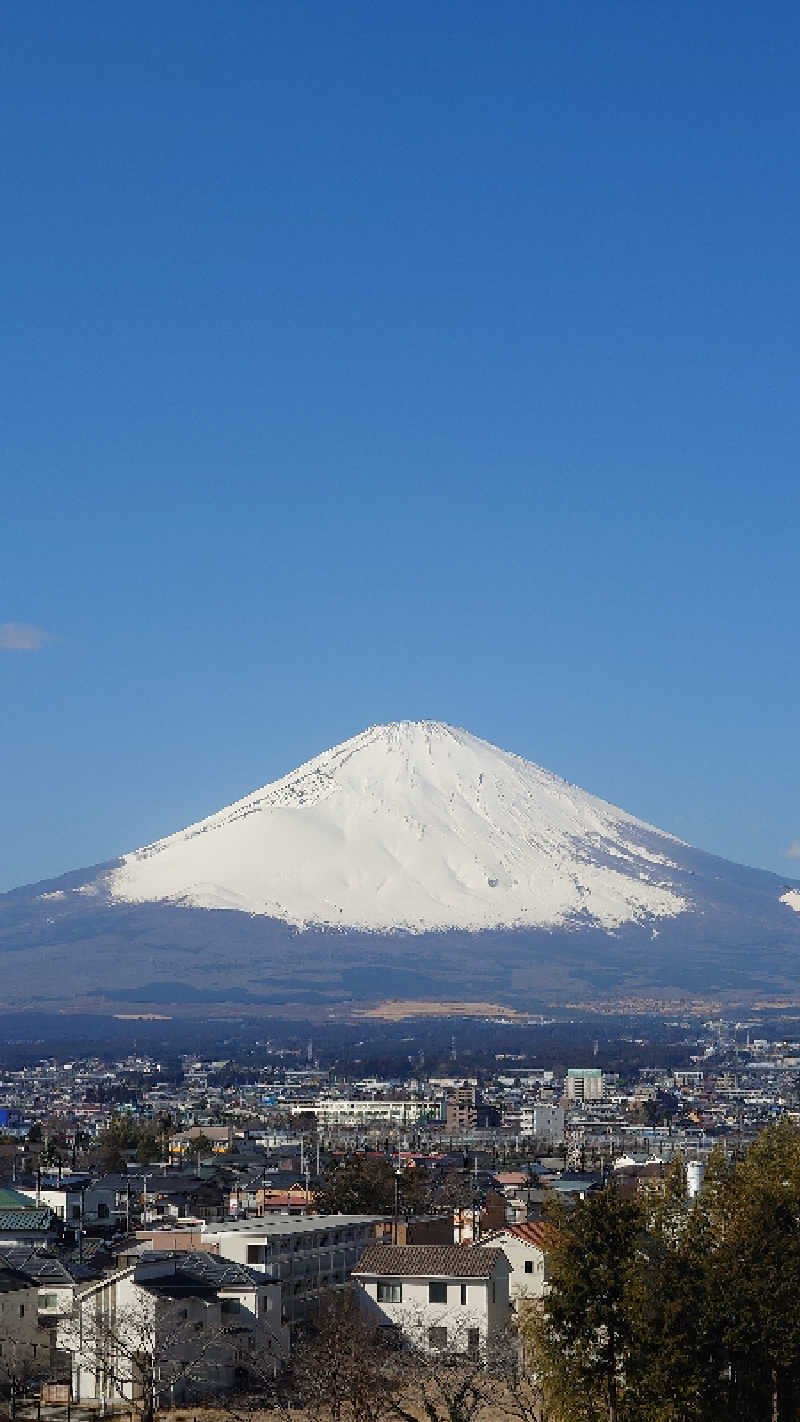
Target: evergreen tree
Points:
x,y
581,1343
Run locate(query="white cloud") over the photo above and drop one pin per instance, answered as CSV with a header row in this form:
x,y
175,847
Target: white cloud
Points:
x,y
21,637
793,852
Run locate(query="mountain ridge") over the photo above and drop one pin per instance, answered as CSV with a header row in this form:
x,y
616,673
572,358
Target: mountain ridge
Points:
x,y
426,815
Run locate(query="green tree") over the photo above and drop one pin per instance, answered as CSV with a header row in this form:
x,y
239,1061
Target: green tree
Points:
x,y
674,1369
754,1213
365,1184
581,1342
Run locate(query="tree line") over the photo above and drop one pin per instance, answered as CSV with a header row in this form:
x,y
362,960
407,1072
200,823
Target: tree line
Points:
x,y
661,1310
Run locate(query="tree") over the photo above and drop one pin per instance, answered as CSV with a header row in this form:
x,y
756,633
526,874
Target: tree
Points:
x,y
340,1369
754,1220
200,1146
675,1365
581,1339
365,1184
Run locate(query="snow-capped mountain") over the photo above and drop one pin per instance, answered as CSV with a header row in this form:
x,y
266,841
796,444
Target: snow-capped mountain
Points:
x,y
416,826
414,860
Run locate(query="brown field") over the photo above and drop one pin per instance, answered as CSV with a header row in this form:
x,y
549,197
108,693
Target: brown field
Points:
x,y
395,1010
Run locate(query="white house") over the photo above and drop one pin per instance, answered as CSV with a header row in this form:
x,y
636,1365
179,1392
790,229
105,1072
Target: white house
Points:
x,y
177,1325
527,1248
441,1298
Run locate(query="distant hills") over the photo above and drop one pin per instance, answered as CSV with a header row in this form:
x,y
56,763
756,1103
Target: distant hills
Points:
x,y
415,860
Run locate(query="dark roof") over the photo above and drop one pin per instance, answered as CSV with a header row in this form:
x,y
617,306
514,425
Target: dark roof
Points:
x,y
193,1272
43,1268
422,1261
156,1184
11,1280
25,1220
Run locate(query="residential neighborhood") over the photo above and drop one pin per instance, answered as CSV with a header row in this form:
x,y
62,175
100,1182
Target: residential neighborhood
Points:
x,y
173,1235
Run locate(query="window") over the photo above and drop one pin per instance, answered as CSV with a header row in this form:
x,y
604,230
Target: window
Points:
x,y
389,1293
474,1342
494,1292
463,1293
231,1306
76,1212
22,1310
528,1266
253,1253
48,1302
437,1293
102,1210
437,1338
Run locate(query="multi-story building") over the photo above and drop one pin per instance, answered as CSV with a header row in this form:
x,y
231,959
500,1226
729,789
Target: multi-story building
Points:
x,y
177,1325
442,1299
305,1255
358,1111
584,1084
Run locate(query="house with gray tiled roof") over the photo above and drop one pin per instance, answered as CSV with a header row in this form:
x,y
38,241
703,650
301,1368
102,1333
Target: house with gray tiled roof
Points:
x,y
190,1324
22,1221
446,1299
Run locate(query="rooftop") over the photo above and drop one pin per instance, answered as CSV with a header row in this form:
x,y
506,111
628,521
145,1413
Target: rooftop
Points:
x,y
425,1261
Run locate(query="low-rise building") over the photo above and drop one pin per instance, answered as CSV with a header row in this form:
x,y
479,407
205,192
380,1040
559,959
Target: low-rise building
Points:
x,y
180,1326
440,1298
527,1248
306,1255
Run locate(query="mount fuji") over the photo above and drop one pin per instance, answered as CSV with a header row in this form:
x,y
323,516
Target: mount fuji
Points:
x,y
413,860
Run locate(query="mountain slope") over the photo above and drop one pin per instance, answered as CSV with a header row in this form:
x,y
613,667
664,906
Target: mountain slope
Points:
x,y
414,860
414,826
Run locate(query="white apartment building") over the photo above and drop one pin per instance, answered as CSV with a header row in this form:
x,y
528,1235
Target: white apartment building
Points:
x,y
357,1111
180,1325
544,1121
304,1255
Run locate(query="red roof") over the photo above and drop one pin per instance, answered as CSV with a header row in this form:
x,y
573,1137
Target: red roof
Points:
x,y
536,1232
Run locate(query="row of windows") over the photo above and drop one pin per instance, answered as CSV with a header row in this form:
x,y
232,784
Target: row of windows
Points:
x,y
437,1292
437,1340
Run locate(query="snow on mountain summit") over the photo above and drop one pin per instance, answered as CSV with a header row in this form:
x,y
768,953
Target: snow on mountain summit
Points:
x,y
415,826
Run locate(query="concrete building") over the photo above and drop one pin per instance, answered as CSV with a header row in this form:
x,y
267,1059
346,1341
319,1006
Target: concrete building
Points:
x,y
544,1121
584,1084
461,1110
27,1345
305,1255
358,1111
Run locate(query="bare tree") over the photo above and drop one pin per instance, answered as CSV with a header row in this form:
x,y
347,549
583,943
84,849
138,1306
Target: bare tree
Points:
x,y
341,1370
156,1348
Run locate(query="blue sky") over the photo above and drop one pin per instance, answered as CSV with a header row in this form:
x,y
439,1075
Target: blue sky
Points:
x,y
365,362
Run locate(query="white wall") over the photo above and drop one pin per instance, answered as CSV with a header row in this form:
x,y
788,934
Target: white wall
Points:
x,y
485,1309
522,1284
24,1345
